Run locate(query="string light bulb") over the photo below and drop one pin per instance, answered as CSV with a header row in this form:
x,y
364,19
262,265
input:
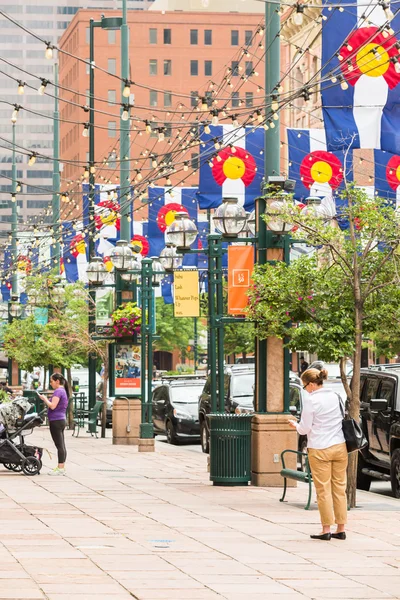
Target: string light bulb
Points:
x,y
207,129
161,135
21,87
86,173
386,9
274,103
19,187
343,83
126,92
32,159
13,197
186,166
298,16
148,127
204,104
49,51
42,86
154,163
396,63
85,131
14,115
214,120
125,112
92,169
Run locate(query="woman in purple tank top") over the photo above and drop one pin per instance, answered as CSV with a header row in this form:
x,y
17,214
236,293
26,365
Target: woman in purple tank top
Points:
x,y
57,416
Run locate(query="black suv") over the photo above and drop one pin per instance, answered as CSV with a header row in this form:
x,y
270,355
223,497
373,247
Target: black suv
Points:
x,y
380,417
175,403
239,398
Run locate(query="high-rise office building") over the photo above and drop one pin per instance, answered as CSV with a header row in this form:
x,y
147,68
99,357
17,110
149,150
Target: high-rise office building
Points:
x,y
20,50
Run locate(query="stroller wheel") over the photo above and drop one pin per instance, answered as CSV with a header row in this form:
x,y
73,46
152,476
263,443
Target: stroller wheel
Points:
x,y
30,466
16,468
9,466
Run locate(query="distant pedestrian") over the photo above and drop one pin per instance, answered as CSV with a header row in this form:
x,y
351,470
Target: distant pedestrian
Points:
x,y
303,365
321,422
57,415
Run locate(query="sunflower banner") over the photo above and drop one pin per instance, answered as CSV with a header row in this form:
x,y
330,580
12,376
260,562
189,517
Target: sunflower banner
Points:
x,y
361,75
231,165
316,171
387,176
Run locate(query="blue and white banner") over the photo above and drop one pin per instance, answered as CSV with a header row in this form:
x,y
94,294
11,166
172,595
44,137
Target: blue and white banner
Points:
x,y
231,165
74,252
316,171
387,176
360,78
163,206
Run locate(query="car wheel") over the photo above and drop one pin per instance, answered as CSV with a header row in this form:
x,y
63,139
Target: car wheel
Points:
x,y
205,439
303,449
363,480
171,435
395,473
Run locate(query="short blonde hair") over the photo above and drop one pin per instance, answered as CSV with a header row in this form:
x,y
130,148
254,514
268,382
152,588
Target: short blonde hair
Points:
x,y
314,376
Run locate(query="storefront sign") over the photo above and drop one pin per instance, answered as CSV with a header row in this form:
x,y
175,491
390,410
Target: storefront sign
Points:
x,y
240,268
127,370
186,294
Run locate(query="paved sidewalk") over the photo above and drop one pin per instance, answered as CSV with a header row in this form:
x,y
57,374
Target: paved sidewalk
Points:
x,y
151,526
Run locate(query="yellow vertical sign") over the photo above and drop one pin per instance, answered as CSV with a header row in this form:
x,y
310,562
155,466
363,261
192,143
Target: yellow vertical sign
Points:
x,y
186,294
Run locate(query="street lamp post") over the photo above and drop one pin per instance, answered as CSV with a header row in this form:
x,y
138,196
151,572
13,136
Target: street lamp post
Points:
x,y
124,128
104,23
56,178
14,218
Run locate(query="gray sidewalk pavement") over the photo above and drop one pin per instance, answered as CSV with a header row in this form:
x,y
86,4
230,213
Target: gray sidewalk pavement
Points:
x,y
151,526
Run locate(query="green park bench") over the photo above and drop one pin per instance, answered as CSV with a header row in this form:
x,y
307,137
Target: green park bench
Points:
x,y
88,418
304,476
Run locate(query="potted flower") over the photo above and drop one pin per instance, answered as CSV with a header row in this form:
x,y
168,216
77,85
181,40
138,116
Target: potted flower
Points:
x,y
126,320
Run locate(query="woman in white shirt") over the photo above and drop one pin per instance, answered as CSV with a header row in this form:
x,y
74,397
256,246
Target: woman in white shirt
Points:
x,y
321,421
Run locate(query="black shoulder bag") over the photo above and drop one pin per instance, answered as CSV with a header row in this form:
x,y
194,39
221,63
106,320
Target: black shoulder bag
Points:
x,y
352,431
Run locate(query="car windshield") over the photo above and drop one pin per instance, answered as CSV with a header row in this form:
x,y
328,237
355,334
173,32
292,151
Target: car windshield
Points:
x,y
188,394
334,370
242,385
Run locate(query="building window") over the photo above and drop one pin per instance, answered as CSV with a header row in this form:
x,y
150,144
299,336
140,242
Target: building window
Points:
x,y
208,68
209,98
112,96
167,36
152,36
249,67
112,66
249,99
167,99
167,67
168,133
87,66
194,67
248,37
153,98
235,68
194,37
153,66
87,35
208,37
235,99
235,37
194,99
112,129
194,161
112,36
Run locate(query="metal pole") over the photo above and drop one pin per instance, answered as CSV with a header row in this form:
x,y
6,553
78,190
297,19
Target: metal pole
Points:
x,y
146,426
212,349
272,167
14,218
195,344
92,293
124,131
220,326
56,178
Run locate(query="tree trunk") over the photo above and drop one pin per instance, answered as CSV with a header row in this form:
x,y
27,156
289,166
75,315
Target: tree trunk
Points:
x,y
104,396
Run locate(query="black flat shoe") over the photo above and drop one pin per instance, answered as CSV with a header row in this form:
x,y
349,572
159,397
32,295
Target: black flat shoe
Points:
x,y
324,536
339,536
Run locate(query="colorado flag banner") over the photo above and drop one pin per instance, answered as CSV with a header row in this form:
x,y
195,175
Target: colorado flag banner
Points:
x,y
360,76
74,252
387,176
231,165
164,203
316,171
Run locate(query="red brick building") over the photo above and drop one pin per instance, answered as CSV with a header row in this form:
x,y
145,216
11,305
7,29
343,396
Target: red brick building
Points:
x,y
173,56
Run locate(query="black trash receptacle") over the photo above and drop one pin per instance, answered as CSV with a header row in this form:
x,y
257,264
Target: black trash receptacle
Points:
x,y
230,449
33,397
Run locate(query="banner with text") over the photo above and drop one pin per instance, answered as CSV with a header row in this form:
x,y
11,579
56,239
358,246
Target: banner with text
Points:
x,y
240,268
186,294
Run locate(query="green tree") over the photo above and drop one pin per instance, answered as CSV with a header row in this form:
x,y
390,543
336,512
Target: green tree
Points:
x,y
239,338
173,332
339,295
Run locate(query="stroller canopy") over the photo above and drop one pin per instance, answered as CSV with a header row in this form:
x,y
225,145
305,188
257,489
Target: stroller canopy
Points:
x,y
12,411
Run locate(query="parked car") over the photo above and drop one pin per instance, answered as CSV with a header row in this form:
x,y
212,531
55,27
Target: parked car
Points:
x,y
380,417
175,403
239,397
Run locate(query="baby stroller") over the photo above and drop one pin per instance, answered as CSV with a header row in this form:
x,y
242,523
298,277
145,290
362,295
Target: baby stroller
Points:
x,y
15,423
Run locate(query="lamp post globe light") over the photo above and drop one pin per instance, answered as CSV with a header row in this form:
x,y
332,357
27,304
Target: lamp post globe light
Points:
x,y
277,225
251,222
96,271
315,208
157,270
34,298
170,259
15,307
230,218
136,266
182,232
57,295
122,256
3,311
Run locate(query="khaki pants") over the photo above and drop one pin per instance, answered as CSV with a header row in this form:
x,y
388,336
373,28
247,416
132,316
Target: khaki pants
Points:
x,y
328,469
